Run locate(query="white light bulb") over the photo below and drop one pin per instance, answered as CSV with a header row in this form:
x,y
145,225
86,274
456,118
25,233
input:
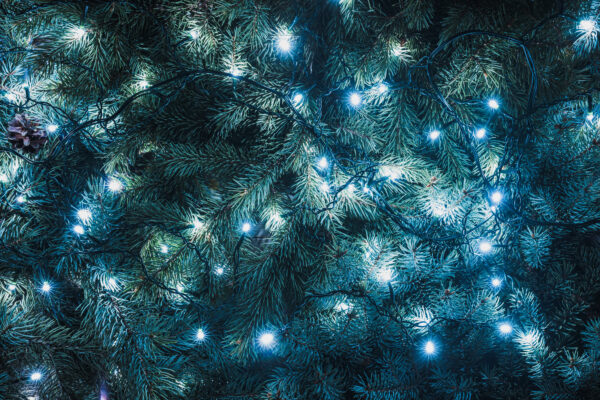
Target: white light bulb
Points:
x,y
78,229
267,340
590,116
323,163
180,287
235,71
164,248
20,199
480,133
485,246
246,227
505,328
112,284
343,307
351,188
385,275
36,376
84,215
52,128
200,334
429,347
219,270
10,96
434,134
11,287
144,84
324,187
78,33
496,282
298,98
198,224
382,88
284,42
399,50
355,99
115,185
3,178
46,287
437,210
587,25
528,338
493,104
496,197
194,34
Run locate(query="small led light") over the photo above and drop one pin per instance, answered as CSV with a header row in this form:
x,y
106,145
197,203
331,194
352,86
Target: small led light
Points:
x,y
590,116
385,275
355,100
200,334
298,99
528,338
429,347
235,71
198,224
480,133
284,42
485,246
496,282
84,215
505,328
164,248
382,88
194,34
144,84
493,104
115,185
324,187
11,287
52,128
36,376
78,229
112,284
10,96
496,197
219,270
78,33
46,287
267,340
434,134
323,163
351,188
399,50
246,227
3,178
20,199
587,25
343,307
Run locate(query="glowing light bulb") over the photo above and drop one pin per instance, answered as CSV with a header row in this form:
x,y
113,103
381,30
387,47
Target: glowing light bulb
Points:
x,y
323,163
10,96
496,197
219,270
528,338
343,307
20,199
84,215
590,116
493,104
355,99
78,33
505,328
385,275
78,229
480,133
36,376
164,248
267,340
324,187
112,284
587,25
284,42
382,88
200,334
246,227
194,34
496,282
115,185
198,224
235,71
298,99
3,178
429,347
399,50
485,246
434,134
351,188
46,287
11,287
52,128
144,84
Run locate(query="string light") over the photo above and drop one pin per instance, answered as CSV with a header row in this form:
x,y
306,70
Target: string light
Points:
x,y
115,185
52,128
200,334
194,34
198,224
164,248
343,307
235,71
590,116
298,99
11,287
434,134
3,178
84,215
11,96
284,42
219,270
35,376
246,227
496,282
485,246
77,33
505,328
143,84
385,275
493,104
496,197
323,163
20,199
429,348
112,284
267,340
46,287
382,88
355,99
324,187
480,133
78,229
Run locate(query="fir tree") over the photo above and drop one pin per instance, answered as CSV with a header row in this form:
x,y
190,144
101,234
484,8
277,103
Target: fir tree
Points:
x,y
331,199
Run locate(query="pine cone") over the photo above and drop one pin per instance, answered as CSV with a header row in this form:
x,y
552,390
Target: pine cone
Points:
x,y
25,134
